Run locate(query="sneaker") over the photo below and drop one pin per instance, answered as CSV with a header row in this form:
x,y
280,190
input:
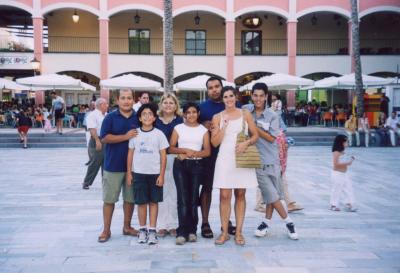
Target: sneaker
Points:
x,y
261,230
192,238
142,236
152,237
292,232
180,240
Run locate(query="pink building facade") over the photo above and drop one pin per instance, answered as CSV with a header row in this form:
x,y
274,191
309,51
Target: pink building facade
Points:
x,y
298,37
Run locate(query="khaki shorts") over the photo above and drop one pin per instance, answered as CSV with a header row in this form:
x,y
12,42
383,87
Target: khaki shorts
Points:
x,y
112,184
269,182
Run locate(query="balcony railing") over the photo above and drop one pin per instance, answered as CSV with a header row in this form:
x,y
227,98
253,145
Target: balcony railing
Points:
x,y
64,44
7,45
154,46
268,47
322,46
380,46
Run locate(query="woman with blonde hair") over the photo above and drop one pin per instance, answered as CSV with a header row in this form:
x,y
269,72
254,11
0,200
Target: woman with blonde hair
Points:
x,y
169,115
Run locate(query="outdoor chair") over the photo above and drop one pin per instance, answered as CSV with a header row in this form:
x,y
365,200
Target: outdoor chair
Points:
x,y
341,117
328,117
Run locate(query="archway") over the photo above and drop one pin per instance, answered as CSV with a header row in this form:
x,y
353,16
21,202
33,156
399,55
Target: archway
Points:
x,y
322,33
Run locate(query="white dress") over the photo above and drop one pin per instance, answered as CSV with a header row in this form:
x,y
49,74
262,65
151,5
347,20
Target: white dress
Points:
x,y
226,175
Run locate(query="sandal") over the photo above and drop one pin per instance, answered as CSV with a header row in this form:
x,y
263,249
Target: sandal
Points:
x,y
231,228
104,237
130,231
162,233
350,208
206,231
334,208
239,240
222,239
172,232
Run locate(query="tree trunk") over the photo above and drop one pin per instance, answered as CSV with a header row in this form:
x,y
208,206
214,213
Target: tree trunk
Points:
x,y
168,47
355,31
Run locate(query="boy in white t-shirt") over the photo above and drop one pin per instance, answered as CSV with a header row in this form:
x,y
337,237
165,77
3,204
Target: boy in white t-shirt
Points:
x,y
147,159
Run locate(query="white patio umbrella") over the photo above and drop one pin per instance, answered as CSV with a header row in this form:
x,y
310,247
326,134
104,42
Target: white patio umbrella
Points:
x,y
51,81
8,84
197,83
131,81
279,81
348,82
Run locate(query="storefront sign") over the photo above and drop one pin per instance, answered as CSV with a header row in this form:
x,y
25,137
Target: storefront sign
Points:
x,y
14,60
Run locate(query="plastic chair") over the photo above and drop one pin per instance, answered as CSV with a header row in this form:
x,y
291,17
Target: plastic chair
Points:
x,y
328,116
340,117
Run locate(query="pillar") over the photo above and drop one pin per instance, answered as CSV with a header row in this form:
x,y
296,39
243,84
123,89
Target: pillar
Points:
x,y
230,50
291,52
38,52
104,49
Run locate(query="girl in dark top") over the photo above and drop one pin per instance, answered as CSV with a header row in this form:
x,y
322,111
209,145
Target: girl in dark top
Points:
x,y
24,123
169,116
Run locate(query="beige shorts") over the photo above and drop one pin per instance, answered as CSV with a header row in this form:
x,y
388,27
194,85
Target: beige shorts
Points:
x,y
113,182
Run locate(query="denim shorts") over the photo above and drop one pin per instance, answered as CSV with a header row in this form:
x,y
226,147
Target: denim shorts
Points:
x,y
145,189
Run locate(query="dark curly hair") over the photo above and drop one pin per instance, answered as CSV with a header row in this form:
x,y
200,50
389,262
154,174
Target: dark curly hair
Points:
x,y
153,108
338,143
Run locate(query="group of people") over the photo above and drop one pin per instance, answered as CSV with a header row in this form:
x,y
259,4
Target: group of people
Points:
x,y
167,163
388,129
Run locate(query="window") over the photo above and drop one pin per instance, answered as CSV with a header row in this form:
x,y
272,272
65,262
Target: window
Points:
x,y
139,41
251,42
195,42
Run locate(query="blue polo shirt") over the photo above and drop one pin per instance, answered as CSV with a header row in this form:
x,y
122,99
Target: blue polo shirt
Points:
x,y
209,108
168,128
115,155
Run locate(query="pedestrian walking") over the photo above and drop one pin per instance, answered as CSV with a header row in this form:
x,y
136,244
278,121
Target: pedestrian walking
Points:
x,y
342,188
96,148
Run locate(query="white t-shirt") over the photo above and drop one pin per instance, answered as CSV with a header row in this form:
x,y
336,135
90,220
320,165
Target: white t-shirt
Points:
x,y
136,106
94,120
190,137
147,146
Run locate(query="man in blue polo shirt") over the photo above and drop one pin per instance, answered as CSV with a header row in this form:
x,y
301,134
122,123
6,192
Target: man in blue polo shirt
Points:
x,y
208,109
118,127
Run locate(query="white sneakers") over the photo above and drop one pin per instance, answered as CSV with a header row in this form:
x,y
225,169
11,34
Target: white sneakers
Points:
x,y
262,231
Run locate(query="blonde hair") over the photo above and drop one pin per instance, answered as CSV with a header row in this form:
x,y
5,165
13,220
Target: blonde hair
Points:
x,y
173,97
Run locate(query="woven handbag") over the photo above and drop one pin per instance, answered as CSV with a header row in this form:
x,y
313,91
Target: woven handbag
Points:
x,y
249,158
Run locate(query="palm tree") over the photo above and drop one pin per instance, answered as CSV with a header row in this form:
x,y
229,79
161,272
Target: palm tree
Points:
x,y
168,47
355,31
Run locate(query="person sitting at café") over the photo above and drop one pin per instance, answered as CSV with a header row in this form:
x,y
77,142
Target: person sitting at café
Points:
x,y
393,125
351,129
363,127
383,130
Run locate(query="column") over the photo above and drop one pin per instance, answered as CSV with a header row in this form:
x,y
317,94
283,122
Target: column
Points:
x,y
291,52
230,50
104,49
38,51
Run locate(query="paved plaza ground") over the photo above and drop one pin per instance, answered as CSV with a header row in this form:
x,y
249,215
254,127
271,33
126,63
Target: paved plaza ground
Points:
x,y
49,224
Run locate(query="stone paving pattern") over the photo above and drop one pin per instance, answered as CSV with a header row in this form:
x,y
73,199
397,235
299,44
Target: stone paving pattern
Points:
x,y
49,224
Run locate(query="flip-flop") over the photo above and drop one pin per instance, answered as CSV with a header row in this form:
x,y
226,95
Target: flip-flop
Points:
x,y
222,239
104,238
130,232
239,240
334,208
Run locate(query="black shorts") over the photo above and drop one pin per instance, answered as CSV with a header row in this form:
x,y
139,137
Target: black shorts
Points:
x,y
209,168
59,114
145,189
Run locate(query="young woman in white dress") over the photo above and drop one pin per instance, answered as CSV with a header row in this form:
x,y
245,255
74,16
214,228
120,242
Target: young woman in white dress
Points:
x,y
225,128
